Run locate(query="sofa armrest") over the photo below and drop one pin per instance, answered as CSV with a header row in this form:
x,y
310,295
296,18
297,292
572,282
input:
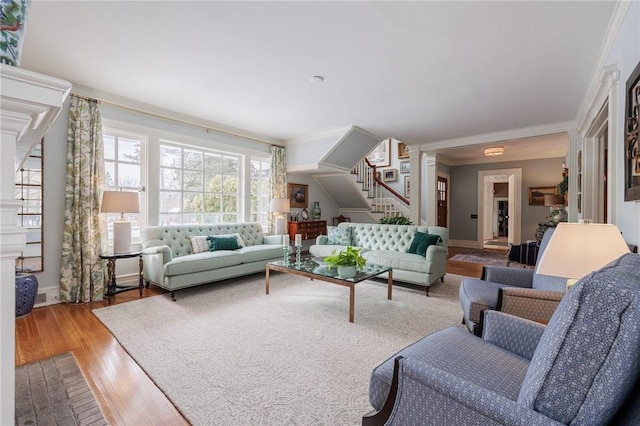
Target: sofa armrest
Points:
x,y
517,335
532,304
275,240
165,251
436,396
518,277
322,240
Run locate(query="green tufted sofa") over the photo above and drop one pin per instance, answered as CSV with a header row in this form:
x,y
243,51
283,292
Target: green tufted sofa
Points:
x,y
387,245
170,263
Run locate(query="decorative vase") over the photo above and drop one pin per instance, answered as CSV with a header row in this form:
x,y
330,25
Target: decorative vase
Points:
x,y
26,291
347,271
13,15
316,211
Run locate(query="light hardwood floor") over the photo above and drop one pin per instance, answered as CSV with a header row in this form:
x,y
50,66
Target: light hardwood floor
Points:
x,y
125,394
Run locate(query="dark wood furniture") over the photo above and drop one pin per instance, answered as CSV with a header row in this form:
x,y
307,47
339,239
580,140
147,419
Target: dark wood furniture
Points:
x,y
309,229
340,219
112,287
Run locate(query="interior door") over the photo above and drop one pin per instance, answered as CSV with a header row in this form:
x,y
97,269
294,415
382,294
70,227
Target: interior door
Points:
x,y
443,196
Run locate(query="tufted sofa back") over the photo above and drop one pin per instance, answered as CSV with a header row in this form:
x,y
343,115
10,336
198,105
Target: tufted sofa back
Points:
x,y
376,236
177,237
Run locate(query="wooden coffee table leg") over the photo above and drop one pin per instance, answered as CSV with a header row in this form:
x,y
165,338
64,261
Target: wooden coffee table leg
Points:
x,y
267,278
390,284
352,299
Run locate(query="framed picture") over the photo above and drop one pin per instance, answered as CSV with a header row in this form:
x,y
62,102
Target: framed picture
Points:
x,y
407,187
631,140
403,150
405,166
536,194
379,157
390,175
298,195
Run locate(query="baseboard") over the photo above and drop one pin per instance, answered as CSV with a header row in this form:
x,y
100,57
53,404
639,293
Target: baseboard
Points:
x,y
51,295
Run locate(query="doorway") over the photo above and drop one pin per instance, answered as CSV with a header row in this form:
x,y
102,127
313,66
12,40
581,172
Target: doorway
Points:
x,y
443,201
489,208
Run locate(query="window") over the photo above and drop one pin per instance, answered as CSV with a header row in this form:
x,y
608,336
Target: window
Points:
x,y
260,199
29,191
198,186
123,160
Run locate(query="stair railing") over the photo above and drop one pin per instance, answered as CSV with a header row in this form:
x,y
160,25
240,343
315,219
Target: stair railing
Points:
x,y
384,199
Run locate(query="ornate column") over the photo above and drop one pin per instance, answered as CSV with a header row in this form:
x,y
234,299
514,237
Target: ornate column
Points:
x,y
431,190
29,103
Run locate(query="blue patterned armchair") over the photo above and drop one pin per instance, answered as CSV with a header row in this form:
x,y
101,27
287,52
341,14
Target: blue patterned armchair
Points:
x,y
518,291
583,368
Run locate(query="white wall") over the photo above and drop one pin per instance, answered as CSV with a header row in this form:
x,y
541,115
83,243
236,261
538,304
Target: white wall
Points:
x,y
625,53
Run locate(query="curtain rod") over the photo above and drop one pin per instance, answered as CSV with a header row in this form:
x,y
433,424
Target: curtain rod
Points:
x,y
176,120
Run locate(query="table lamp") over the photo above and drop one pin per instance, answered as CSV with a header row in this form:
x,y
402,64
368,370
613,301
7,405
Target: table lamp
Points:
x,y
279,206
120,202
577,249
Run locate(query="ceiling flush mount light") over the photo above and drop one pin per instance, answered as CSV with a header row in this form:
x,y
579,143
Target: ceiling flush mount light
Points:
x,y
493,151
317,79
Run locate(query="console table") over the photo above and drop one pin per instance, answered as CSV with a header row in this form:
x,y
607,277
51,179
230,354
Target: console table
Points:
x,y
309,229
112,287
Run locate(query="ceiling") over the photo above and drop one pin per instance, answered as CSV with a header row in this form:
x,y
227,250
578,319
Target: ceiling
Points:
x,y
420,72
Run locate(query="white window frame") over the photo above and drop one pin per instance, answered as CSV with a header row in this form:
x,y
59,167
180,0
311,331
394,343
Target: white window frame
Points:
x,y
142,216
218,216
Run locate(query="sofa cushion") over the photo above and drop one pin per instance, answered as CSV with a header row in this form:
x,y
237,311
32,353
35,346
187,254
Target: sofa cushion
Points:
x,y
339,236
260,252
421,241
397,260
202,262
326,249
199,243
223,242
459,352
477,295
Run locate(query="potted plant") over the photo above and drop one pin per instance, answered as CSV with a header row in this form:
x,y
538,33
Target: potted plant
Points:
x,y
395,220
347,261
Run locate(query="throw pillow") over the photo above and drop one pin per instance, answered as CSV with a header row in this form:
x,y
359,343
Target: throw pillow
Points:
x,y
339,236
421,241
223,242
199,243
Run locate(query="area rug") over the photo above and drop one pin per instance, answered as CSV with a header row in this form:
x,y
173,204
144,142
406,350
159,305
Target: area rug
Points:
x,y
53,391
485,257
229,354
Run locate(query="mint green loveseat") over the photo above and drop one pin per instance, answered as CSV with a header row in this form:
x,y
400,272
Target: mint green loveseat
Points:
x,y
170,261
387,245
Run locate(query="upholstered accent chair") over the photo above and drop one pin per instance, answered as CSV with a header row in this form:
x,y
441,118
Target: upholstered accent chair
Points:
x,y
518,291
583,368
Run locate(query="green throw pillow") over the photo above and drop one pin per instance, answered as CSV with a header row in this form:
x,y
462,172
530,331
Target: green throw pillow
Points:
x,y
223,242
339,236
421,241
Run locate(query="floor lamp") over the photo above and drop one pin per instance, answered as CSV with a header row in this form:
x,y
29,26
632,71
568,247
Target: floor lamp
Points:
x,y
577,249
280,206
120,202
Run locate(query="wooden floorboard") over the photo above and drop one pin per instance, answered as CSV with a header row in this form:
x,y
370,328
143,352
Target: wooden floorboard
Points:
x,y
126,395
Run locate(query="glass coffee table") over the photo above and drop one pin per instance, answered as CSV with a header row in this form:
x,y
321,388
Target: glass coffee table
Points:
x,y
315,269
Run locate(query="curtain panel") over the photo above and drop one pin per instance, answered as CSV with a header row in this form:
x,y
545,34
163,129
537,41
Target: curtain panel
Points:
x,y
81,275
277,179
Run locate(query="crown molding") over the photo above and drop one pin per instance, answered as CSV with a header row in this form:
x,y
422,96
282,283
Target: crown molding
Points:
x,y
506,135
600,69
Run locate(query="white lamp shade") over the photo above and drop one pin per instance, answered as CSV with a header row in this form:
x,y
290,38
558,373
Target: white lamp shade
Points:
x,y
280,205
120,202
494,151
577,249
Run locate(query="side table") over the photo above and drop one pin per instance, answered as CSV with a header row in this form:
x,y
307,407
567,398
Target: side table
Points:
x,y
112,287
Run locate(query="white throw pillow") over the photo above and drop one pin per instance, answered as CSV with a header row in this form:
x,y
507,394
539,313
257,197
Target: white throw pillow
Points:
x,y
199,243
